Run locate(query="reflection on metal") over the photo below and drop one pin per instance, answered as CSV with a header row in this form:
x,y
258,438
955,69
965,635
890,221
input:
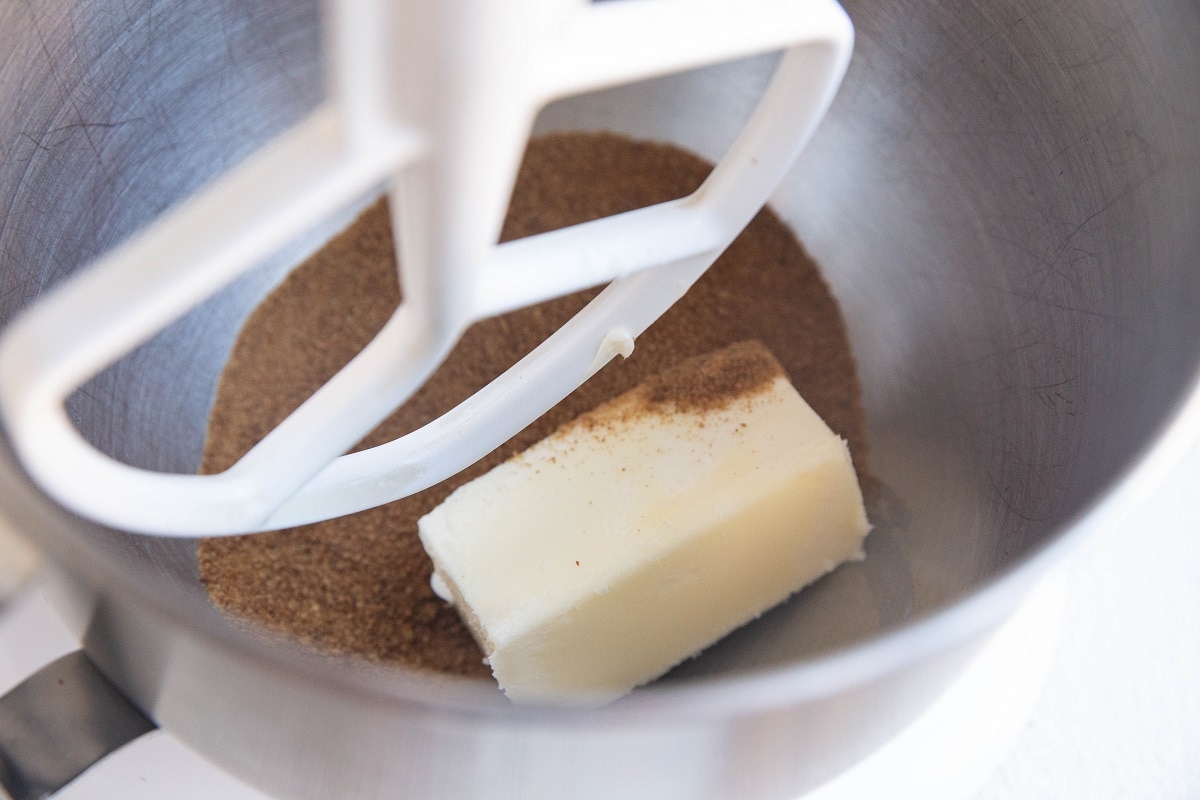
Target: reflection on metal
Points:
x,y
57,723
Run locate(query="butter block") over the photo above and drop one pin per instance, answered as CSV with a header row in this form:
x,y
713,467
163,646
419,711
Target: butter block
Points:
x,y
645,530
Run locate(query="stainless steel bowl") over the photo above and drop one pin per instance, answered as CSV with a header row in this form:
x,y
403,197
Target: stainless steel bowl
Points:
x,y
1005,200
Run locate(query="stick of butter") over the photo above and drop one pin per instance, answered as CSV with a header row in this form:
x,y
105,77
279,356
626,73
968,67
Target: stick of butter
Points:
x,y
645,530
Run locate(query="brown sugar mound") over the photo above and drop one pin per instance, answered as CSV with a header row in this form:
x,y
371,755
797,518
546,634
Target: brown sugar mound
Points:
x,y
360,584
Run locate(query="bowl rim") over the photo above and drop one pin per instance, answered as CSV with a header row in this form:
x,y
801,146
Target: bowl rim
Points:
x,y
822,676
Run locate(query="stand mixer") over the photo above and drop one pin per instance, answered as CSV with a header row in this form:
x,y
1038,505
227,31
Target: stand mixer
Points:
x,y
1004,210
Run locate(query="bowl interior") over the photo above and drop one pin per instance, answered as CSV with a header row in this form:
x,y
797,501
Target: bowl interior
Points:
x,y
1003,200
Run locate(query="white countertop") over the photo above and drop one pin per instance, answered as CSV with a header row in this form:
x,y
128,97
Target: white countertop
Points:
x,y
1119,716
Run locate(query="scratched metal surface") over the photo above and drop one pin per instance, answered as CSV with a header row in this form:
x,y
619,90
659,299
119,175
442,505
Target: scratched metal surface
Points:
x,y
1004,199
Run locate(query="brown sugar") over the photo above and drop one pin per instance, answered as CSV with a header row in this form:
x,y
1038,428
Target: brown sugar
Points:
x,y
360,584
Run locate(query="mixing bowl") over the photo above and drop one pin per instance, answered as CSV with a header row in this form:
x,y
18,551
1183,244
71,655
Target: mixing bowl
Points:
x,y
1004,200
